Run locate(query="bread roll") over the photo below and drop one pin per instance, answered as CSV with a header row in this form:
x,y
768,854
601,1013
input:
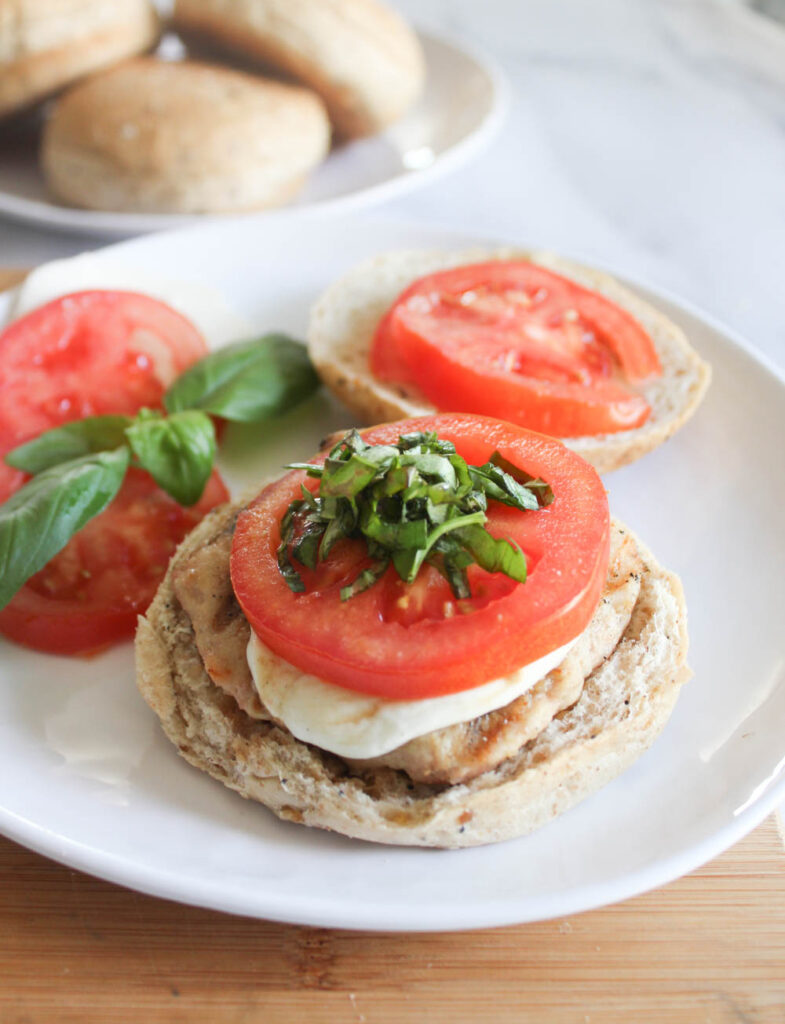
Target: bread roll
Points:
x,y
156,137
361,57
47,44
344,320
618,712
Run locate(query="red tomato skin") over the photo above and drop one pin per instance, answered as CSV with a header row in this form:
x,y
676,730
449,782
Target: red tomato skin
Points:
x,y
89,354
453,353
131,541
358,645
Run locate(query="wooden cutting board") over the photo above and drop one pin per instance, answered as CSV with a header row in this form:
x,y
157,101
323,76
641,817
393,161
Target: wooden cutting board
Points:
x,y
709,947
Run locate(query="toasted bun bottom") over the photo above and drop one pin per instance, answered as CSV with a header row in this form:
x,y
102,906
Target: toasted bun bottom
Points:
x,y
624,705
344,320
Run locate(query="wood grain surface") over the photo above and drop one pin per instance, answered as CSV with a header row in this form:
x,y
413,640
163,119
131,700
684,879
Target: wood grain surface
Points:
x,y
709,947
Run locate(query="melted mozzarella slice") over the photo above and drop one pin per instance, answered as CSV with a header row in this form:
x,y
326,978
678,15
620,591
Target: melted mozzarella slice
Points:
x,y
204,306
354,725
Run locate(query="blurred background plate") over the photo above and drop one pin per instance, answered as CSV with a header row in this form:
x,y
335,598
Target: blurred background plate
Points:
x,y
462,107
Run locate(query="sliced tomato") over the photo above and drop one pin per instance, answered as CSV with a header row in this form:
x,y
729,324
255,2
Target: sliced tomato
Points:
x,y
87,354
89,596
402,641
514,340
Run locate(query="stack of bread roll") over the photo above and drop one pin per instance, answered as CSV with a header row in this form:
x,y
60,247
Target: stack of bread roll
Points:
x,y
130,132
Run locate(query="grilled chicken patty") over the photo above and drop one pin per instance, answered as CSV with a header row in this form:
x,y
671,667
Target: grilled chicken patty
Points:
x,y
456,753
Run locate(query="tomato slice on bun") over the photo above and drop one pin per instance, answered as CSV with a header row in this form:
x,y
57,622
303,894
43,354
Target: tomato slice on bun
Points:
x,y
517,341
404,641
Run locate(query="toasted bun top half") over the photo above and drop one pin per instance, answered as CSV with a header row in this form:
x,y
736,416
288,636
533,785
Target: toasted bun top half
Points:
x,y
344,319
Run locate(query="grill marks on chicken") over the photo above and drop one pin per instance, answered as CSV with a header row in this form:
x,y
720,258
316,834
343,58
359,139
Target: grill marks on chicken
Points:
x,y
460,752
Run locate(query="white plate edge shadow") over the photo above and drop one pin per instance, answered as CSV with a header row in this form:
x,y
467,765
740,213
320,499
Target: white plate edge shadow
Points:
x,y
118,226
168,885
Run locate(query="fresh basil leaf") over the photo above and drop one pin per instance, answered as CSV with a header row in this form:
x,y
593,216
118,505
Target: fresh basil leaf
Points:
x,y
411,561
345,478
437,513
494,554
462,474
452,561
306,550
351,442
397,479
427,441
396,535
312,471
411,502
542,489
308,498
432,468
408,563
71,441
366,579
177,451
247,381
502,487
285,567
340,526
40,518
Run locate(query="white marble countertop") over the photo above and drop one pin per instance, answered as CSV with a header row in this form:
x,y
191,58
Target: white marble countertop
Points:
x,y
647,134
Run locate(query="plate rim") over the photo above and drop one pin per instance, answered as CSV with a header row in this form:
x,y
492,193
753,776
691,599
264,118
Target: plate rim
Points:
x,y
119,225
334,913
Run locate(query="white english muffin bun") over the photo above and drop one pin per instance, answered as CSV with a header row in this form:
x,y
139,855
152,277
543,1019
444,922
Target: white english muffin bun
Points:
x,y
360,56
344,319
47,44
159,137
516,767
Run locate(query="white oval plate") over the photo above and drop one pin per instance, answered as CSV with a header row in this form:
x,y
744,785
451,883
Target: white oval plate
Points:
x,y
463,105
87,777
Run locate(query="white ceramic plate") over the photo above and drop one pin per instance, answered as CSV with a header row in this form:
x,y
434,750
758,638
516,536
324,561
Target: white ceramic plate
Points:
x,y
463,105
87,777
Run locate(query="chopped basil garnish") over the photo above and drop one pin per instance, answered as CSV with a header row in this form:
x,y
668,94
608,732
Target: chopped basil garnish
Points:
x,y
413,502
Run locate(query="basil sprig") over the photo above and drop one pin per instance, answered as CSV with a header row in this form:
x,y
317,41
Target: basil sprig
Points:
x,y
177,451
412,502
78,468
